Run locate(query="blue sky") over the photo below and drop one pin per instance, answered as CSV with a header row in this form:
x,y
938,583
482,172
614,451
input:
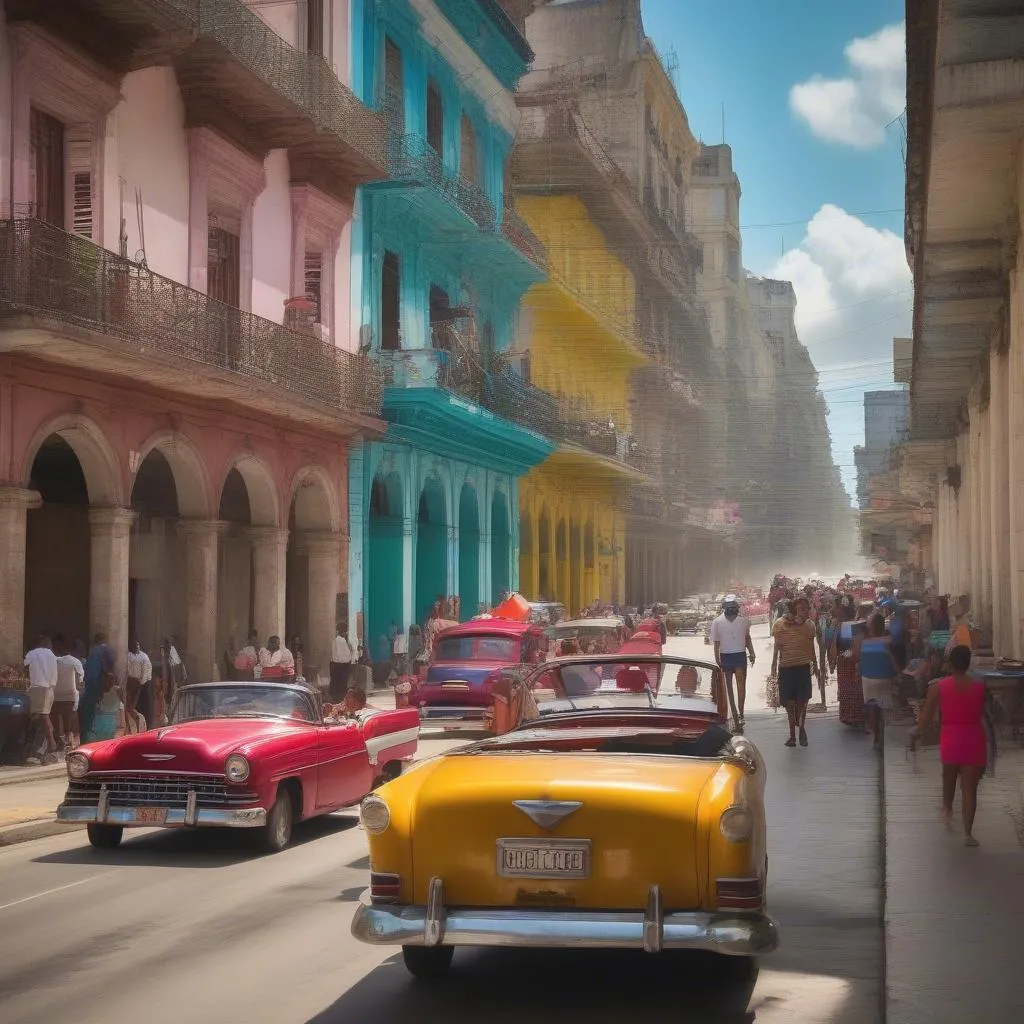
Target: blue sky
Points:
x,y
808,90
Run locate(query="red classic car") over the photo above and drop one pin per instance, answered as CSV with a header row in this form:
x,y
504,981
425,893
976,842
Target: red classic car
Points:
x,y
256,755
455,690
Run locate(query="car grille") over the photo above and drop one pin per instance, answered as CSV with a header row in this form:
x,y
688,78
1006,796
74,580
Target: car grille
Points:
x,y
140,789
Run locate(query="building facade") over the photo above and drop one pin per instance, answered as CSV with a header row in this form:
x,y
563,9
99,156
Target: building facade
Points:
x,y
440,263
179,380
885,426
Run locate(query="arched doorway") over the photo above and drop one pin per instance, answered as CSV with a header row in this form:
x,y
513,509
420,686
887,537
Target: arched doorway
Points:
x,y
385,579
236,593
546,581
431,548
469,553
576,598
562,566
501,547
57,546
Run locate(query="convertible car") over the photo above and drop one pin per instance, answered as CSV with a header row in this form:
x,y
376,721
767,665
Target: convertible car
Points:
x,y
619,812
239,755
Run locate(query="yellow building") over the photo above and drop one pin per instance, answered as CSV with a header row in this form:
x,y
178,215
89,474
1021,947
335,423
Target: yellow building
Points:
x,y
576,342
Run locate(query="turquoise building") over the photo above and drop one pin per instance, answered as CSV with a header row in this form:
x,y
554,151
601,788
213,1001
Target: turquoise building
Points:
x,y
439,265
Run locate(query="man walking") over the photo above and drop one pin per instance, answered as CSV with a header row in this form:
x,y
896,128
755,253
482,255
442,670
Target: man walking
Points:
x,y
794,660
41,663
138,677
341,664
102,661
70,674
730,633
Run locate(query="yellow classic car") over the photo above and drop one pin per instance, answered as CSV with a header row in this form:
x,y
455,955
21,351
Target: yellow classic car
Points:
x,y
619,812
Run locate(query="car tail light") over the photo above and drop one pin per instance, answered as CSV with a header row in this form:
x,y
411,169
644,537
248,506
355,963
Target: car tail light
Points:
x,y
384,888
739,893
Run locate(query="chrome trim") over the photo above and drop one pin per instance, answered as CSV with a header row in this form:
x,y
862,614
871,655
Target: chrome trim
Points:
x,y
242,817
150,771
583,845
454,719
190,808
731,934
434,917
102,805
654,927
375,744
547,813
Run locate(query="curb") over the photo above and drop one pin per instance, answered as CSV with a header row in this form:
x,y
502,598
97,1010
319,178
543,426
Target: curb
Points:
x,y
48,771
41,828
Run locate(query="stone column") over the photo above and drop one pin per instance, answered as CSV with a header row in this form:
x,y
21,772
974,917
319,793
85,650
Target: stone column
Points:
x,y
108,577
270,549
999,501
323,549
202,540
14,506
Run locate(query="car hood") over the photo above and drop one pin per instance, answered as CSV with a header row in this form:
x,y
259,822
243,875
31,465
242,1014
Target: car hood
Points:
x,y
193,746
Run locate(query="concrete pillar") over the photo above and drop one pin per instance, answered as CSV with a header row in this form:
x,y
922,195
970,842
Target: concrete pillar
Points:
x,y
1016,461
202,540
985,603
14,506
408,566
270,549
999,500
323,549
108,577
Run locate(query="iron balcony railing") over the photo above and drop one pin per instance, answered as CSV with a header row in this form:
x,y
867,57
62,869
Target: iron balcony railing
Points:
x,y
518,232
49,273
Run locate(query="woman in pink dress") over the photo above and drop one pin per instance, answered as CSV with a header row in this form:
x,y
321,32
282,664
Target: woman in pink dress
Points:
x,y
963,744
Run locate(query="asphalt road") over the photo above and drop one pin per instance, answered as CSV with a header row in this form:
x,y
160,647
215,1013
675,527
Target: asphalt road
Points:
x,y
193,926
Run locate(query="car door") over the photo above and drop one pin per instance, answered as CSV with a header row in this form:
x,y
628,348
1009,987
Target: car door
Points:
x,y
344,775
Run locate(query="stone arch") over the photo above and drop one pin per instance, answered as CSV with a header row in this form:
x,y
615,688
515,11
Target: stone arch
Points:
x,y
315,499
501,545
96,455
469,550
264,506
191,480
432,525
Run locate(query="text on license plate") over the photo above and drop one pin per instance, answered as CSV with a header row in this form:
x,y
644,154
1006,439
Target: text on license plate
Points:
x,y
532,859
151,815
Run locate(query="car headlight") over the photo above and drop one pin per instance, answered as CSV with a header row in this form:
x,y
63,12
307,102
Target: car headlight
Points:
x,y
77,765
236,768
374,815
737,824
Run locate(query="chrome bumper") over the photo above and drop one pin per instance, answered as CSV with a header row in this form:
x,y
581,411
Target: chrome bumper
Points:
x,y
433,925
177,817
455,719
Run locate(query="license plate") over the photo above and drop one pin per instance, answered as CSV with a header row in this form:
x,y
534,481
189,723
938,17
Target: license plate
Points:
x,y
151,815
543,858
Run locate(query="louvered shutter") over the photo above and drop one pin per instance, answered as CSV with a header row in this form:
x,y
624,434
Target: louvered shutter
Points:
x,y
79,156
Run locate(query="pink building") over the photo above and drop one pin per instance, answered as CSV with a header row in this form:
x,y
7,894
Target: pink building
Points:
x,y
174,425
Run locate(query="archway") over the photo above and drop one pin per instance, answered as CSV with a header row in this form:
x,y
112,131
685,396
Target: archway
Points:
x,y
236,613
528,583
469,553
501,547
562,566
385,578
58,545
576,598
546,581
431,548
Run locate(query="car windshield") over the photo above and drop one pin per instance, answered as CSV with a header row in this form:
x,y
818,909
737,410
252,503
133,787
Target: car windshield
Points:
x,y
234,700
477,648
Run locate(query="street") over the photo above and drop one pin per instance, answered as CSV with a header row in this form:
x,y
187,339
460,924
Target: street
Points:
x,y
195,925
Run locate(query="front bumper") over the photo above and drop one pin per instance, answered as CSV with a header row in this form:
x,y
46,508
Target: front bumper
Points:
x,y
455,719
736,934
177,817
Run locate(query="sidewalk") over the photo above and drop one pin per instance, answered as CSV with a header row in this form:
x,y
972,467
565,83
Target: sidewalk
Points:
x,y
952,915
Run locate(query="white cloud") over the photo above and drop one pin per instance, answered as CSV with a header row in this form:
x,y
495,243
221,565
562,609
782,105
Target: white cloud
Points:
x,y
855,109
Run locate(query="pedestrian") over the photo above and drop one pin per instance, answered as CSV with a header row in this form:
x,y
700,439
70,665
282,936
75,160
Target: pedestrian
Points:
x,y
41,663
794,660
963,747
276,662
138,682
730,634
100,662
878,668
248,657
70,678
341,664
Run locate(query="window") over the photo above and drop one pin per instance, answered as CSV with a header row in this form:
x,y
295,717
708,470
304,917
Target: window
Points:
x,y
315,27
47,167
469,158
435,118
223,267
390,330
394,88
314,271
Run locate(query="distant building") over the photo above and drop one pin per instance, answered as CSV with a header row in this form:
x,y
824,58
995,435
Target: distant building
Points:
x,y
886,417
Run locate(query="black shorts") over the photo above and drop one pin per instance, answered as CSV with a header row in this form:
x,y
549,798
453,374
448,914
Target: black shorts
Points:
x,y
795,684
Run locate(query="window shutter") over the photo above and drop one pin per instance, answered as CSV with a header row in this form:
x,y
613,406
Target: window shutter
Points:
x,y
78,146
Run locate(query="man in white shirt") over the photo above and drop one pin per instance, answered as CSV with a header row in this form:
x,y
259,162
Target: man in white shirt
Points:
x,y
138,676
70,677
341,664
41,663
730,633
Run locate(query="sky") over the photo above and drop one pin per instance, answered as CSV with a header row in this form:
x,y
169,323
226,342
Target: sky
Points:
x,y
812,95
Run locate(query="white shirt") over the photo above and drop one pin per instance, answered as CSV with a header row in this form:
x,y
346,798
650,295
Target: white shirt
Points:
x,y
138,666
341,653
42,667
732,636
70,674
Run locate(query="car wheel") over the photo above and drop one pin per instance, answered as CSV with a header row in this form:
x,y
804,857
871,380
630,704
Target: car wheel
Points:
x,y
105,837
277,833
737,969
428,962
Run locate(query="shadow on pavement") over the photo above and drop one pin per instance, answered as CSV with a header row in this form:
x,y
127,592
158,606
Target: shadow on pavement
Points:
x,y
542,986
195,848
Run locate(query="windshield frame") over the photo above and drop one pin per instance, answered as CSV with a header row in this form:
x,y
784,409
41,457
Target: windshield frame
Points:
x,y
476,640
305,696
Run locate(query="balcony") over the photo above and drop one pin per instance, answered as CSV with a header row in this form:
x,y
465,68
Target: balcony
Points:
x,y
518,232
236,75
70,302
